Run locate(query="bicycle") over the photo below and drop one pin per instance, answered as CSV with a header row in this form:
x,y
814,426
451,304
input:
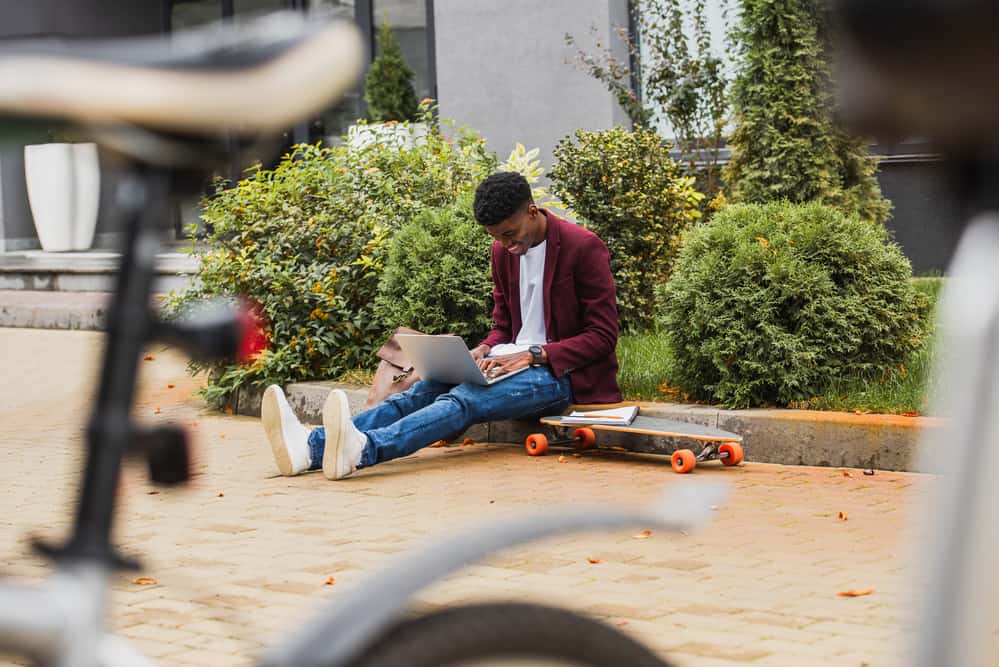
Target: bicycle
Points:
x,y
137,104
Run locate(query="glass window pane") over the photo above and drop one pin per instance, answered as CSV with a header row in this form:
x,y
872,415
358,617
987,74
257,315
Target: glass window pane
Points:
x,y
342,8
257,6
408,19
188,13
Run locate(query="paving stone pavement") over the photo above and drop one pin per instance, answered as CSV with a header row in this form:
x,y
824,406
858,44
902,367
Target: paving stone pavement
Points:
x,y
242,554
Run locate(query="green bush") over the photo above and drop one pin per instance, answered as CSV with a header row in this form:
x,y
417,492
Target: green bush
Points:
x,y
786,144
388,90
769,304
308,241
630,192
436,277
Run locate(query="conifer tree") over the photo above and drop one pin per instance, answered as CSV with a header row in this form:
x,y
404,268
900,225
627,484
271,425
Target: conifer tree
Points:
x,y
388,89
786,145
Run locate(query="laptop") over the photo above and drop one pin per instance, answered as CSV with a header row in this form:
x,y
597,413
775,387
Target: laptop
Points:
x,y
445,358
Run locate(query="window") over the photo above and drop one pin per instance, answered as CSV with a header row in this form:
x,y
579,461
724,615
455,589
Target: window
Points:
x,y
408,19
188,13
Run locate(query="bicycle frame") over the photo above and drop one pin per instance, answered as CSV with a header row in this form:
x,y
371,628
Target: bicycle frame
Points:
x,y
61,623
959,570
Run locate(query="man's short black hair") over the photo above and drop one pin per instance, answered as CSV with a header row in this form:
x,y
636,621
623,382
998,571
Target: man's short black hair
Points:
x,y
499,196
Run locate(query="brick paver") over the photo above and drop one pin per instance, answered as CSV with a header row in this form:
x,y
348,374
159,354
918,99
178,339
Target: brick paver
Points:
x,y
242,554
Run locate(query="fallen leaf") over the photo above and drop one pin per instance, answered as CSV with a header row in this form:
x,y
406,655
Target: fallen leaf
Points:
x,y
561,459
468,441
220,495
846,473
576,454
644,535
222,436
330,580
157,410
910,414
148,357
843,516
171,386
594,560
622,623
144,581
869,471
439,443
227,410
152,493
855,593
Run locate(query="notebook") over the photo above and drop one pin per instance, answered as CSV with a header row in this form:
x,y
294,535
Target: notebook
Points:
x,y
610,416
445,358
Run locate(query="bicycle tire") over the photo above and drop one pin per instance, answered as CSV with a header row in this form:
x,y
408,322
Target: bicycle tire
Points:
x,y
505,631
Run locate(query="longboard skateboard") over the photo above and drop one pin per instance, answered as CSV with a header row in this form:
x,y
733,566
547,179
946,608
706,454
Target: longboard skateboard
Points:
x,y
717,444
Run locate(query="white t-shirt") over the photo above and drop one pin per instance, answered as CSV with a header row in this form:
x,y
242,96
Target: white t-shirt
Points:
x,y
532,303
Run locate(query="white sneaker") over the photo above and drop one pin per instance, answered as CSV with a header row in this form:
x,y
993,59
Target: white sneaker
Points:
x,y
344,443
288,437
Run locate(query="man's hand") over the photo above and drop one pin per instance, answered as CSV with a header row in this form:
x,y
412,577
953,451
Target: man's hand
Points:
x,y
496,366
479,353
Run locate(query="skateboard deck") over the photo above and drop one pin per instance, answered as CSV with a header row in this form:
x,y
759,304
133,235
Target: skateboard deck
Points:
x,y
718,444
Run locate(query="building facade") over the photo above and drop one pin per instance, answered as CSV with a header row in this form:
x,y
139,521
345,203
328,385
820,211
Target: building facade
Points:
x,y
500,67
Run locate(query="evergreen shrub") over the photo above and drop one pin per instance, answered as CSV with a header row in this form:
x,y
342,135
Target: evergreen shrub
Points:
x,y
627,189
769,304
308,241
388,88
786,144
437,277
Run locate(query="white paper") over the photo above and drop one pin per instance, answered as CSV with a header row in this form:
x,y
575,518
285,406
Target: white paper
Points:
x,y
610,416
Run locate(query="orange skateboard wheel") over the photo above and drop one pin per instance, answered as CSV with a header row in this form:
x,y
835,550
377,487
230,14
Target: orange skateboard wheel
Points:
x,y
584,437
734,450
683,460
536,444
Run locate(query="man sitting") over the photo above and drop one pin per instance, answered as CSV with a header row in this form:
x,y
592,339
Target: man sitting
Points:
x,y
555,311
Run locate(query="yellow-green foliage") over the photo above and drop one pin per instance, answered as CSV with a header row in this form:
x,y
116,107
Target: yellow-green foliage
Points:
x,y
308,241
627,189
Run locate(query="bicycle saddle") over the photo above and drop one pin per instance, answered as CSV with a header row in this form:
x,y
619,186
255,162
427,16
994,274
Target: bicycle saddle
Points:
x,y
251,79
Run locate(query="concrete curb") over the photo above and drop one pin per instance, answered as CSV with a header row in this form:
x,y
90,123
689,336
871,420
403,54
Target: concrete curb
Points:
x,y
793,437
53,310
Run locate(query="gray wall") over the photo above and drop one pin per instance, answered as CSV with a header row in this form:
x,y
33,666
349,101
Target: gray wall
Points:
x,y
926,218
502,70
58,19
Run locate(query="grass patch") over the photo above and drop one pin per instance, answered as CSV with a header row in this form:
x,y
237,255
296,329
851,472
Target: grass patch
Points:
x,y
646,362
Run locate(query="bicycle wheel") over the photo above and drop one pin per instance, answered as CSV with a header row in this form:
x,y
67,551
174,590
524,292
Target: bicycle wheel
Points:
x,y
506,634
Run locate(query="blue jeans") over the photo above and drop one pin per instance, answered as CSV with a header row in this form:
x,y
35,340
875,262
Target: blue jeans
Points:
x,y
429,411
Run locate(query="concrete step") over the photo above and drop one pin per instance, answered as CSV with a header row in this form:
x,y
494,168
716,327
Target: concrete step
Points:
x,y
53,310
35,270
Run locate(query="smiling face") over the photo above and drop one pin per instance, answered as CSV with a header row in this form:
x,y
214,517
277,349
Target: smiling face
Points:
x,y
521,231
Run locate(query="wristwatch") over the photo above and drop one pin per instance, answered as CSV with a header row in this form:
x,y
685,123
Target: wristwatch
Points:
x,y
536,352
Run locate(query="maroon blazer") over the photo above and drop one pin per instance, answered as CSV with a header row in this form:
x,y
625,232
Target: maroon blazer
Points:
x,y
580,308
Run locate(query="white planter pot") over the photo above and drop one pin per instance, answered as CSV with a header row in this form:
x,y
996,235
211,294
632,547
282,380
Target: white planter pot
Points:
x,y
399,135
64,191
